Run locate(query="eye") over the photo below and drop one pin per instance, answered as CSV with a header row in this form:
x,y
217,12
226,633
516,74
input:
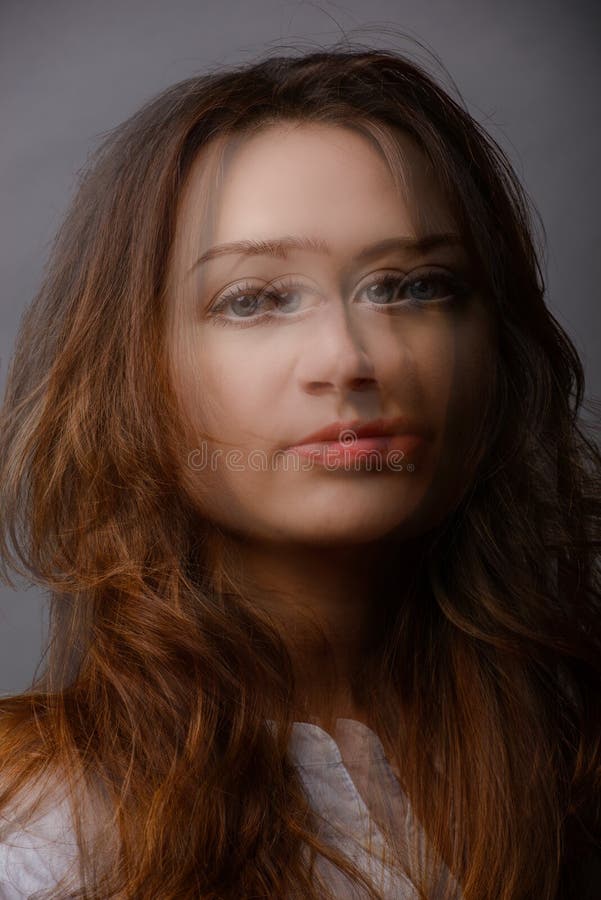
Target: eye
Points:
x,y
251,303
245,303
284,300
426,288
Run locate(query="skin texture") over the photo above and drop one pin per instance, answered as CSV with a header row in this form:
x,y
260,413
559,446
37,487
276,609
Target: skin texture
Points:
x,y
313,536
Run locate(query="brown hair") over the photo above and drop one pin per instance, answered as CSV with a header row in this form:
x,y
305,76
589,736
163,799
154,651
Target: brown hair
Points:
x,y
487,691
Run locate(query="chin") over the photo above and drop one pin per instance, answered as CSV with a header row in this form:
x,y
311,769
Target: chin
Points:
x,y
343,526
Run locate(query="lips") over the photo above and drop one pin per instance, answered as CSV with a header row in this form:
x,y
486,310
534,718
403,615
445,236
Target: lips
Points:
x,y
345,431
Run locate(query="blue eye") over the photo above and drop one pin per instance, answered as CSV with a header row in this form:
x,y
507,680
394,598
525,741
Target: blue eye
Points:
x,y
424,289
245,301
245,304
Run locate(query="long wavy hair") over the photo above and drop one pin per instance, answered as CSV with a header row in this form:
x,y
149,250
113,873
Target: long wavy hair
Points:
x,y
160,672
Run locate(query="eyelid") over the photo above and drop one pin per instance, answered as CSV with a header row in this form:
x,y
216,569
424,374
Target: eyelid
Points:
x,y
287,281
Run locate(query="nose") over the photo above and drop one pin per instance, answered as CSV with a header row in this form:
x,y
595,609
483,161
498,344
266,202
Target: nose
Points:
x,y
336,358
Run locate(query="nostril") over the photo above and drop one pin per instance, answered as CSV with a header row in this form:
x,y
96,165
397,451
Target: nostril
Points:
x,y
362,384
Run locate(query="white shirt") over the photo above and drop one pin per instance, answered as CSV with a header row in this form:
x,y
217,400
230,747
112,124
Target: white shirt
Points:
x,y
348,781
352,786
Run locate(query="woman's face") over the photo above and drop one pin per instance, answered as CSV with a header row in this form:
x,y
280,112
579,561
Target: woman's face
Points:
x,y
355,326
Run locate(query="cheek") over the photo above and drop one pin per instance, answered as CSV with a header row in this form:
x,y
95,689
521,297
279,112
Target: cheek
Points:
x,y
227,390
247,384
220,403
457,373
455,363
225,386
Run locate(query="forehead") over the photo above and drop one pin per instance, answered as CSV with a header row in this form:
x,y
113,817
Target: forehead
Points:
x,y
324,180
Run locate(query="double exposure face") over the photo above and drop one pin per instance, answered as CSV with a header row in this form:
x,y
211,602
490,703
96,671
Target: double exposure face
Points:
x,y
340,301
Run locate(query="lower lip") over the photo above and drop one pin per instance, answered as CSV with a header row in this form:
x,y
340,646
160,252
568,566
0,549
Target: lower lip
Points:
x,y
335,452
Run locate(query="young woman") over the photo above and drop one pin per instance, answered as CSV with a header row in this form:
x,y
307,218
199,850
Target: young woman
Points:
x,y
293,441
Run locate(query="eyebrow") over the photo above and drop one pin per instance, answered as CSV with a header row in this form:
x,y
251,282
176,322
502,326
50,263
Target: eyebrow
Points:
x,y
280,247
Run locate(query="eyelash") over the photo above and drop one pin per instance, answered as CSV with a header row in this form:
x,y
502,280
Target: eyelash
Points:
x,y
458,289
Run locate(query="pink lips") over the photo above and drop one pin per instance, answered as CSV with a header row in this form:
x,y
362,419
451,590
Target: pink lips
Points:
x,y
351,442
336,431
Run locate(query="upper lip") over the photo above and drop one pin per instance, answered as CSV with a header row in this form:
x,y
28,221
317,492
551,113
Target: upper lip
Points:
x,y
374,428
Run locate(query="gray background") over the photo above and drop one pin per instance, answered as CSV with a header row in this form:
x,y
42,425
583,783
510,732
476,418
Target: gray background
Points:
x,y
69,71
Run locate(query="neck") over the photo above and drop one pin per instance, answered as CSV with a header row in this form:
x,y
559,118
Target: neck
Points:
x,y
328,605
